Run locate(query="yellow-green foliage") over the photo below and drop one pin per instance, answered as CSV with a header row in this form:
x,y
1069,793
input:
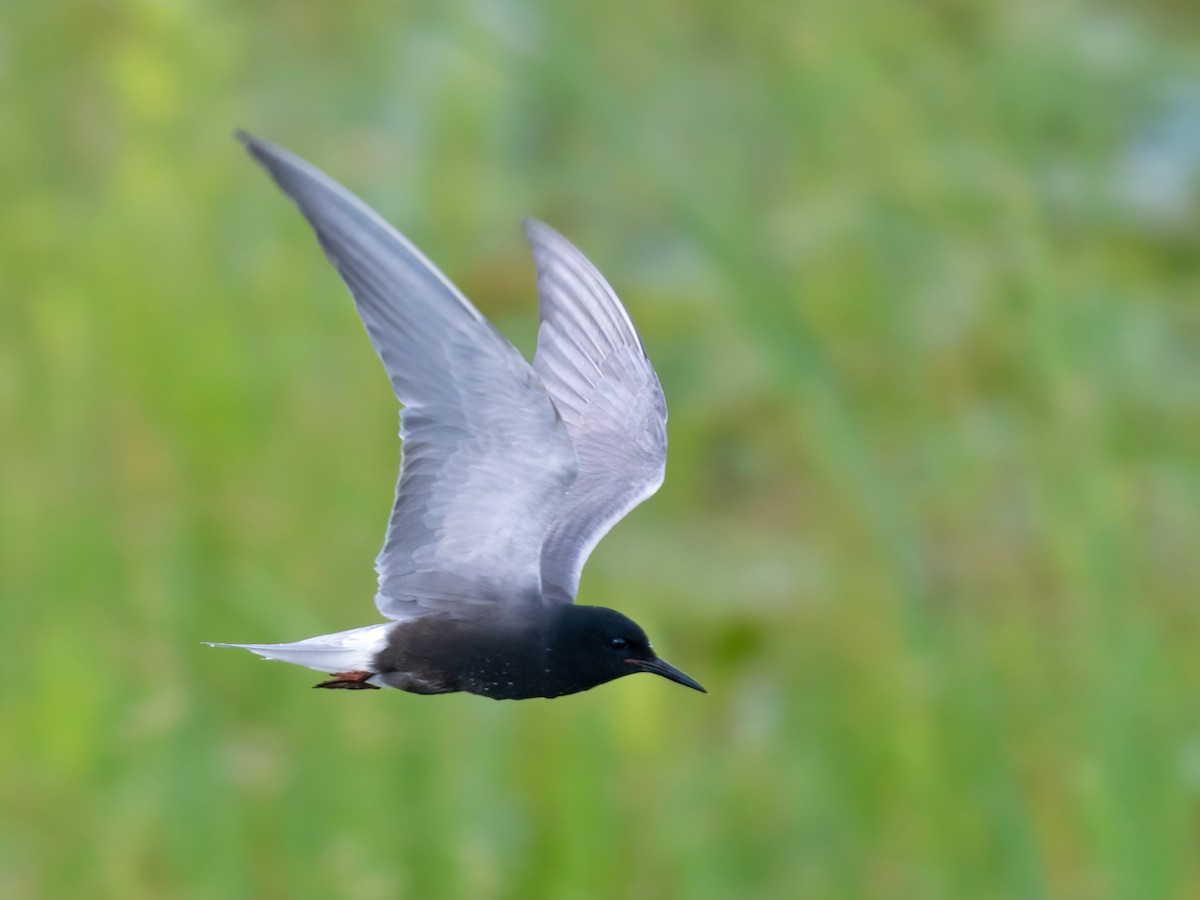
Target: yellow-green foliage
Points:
x,y
930,527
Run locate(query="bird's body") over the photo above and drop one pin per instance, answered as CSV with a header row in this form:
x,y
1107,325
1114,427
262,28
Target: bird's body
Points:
x,y
511,473
507,653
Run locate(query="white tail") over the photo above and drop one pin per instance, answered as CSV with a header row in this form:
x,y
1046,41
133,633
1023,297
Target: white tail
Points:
x,y
345,651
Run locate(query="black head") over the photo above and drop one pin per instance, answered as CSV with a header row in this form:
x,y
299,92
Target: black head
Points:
x,y
597,645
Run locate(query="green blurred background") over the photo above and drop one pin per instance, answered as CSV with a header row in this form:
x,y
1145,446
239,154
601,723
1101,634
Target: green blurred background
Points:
x,y
920,281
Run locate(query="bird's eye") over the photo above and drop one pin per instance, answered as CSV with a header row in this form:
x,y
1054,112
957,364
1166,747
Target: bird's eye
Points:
x,y
618,643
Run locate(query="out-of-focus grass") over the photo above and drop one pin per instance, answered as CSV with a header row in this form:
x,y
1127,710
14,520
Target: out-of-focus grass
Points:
x,y
930,523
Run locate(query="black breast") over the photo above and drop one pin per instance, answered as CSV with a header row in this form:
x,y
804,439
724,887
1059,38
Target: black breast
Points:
x,y
500,653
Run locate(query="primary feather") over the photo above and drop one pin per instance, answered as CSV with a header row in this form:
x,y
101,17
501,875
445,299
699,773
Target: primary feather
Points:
x,y
592,361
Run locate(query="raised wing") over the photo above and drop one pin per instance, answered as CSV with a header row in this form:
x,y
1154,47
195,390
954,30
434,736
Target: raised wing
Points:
x,y
593,363
486,460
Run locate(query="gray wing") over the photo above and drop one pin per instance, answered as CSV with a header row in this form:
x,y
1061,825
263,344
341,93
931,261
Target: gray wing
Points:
x,y
593,363
486,460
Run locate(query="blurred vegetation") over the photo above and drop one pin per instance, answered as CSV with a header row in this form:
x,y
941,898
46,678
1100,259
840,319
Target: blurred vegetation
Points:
x,y
920,281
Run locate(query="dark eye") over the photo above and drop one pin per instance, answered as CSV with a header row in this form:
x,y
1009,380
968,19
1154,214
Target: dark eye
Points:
x,y
618,643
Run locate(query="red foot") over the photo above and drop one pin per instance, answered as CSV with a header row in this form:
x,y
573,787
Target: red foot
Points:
x,y
350,681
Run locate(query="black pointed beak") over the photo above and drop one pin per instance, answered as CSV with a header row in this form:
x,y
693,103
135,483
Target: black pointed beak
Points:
x,y
668,671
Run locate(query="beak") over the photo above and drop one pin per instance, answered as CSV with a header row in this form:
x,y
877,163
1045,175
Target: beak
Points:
x,y
668,671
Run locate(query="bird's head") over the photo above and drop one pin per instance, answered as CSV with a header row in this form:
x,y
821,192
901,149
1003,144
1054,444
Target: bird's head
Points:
x,y
602,644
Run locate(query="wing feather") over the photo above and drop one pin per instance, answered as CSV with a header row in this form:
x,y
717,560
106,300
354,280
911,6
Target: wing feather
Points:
x,y
592,361
486,458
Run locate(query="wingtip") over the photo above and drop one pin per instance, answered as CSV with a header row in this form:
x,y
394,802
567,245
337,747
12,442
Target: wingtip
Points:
x,y
287,170
255,146
532,227
262,151
537,230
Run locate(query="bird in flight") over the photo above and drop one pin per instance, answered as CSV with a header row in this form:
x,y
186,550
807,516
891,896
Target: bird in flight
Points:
x,y
510,474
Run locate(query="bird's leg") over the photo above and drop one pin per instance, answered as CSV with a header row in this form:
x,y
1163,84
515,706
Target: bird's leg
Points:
x,y
350,681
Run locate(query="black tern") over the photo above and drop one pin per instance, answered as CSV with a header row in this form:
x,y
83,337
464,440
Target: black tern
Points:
x,y
510,472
